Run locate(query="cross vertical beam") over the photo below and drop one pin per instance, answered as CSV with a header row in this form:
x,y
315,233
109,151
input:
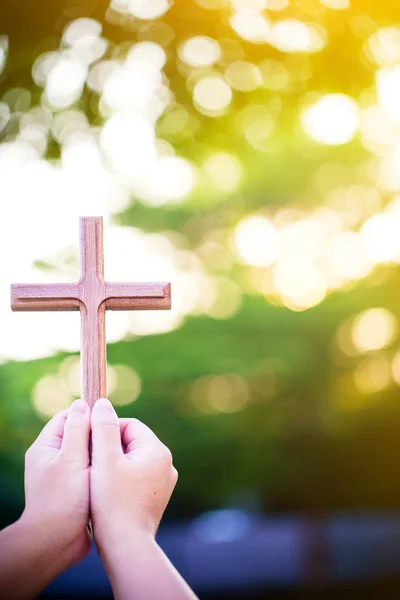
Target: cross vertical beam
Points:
x,y
93,309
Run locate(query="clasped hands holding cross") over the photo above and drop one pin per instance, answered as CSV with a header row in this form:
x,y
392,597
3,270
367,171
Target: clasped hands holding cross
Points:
x,y
123,487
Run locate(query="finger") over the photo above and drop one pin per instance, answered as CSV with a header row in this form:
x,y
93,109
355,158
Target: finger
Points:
x,y
75,443
135,435
106,435
52,433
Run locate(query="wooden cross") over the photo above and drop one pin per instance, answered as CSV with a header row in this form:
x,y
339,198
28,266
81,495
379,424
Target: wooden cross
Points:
x,y
92,296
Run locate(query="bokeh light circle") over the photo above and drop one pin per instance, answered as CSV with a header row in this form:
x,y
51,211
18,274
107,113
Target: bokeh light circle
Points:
x,y
333,119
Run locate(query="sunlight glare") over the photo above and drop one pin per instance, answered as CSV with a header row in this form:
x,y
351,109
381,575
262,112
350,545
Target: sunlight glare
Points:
x,y
3,52
172,179
256,241
300,283
243,76
295,36
333,119
373,329
50,395
128,141
388,90
143,9
336,4
380,238
383,47
251,26
65,81
200,51
224,170
212,95
130,88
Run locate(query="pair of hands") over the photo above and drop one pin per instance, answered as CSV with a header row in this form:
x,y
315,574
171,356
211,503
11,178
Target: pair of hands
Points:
x,y
123,487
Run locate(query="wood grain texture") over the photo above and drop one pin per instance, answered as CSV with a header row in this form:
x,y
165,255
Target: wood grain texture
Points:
x,y
62,296
138,296
92,296
93,311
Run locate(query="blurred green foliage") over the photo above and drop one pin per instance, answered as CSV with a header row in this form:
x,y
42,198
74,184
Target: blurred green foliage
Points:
x,y
307,438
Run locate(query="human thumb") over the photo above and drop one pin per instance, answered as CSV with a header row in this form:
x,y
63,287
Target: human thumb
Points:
x,y
106,436
75,441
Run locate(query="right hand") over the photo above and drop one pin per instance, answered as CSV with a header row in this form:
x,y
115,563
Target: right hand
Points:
x,y
132,477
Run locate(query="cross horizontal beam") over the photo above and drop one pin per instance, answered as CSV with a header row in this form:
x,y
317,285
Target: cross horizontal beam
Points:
x,y
138,296
42,296
65,296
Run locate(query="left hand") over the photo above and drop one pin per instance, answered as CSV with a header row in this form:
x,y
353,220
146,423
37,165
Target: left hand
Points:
x,y
57,483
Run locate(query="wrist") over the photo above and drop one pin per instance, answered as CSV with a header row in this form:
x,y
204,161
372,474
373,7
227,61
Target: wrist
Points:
x,y
119,541
112,530
52,546
67,538
134,553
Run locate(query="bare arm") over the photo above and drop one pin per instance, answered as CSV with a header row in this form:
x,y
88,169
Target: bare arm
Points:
x,y
30,558
132,479
138,569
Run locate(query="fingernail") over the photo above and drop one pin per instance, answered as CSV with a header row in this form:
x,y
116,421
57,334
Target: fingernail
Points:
x,y
104,405
79,406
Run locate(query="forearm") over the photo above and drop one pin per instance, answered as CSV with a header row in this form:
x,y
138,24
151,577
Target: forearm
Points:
x,y
30,559
139,570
